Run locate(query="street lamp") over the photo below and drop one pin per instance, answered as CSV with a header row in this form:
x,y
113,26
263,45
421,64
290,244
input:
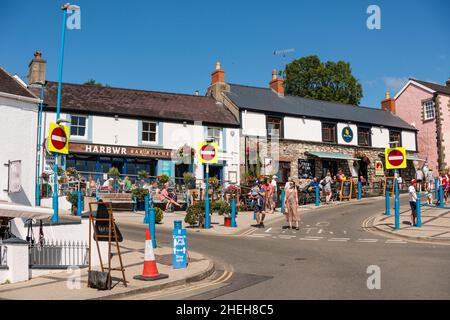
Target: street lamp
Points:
x,y
64,9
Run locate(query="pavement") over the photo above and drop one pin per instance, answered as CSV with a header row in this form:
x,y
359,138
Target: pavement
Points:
x,y
435,224
58,286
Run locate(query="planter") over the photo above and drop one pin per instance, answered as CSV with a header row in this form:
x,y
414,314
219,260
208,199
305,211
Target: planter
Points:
x,y
140,206
227,221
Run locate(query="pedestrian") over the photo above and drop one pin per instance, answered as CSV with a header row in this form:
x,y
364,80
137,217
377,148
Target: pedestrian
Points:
x,y
275,192
270,204
430,179
419,179
291,205
413,201
256,197
399,182
288,183
327,187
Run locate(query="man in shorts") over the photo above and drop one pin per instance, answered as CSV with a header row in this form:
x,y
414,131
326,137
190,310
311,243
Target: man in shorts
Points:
x,y
413,201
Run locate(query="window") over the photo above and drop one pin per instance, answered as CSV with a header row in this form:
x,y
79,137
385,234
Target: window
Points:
x,y
214,134
274,127
428,110
329,132
149,132
364,135
78,126
394,138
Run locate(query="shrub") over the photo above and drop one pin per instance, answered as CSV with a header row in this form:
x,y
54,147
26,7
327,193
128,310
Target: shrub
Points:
x,y
189,180
195,214
143,174
159,215
139,193
113,172
163,178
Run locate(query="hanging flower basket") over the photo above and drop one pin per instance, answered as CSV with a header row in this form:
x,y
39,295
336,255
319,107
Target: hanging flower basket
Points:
x,y
185,154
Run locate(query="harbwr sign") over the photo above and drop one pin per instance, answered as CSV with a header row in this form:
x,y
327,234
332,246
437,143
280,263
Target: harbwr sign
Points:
x,y
120,150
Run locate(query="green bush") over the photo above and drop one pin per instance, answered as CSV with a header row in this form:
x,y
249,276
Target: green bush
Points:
x,y
195,214
159,215
113,172
72,198
142,174
139,193
163,178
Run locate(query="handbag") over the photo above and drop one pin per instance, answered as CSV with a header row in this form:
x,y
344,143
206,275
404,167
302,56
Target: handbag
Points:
x,y
30,233
99,280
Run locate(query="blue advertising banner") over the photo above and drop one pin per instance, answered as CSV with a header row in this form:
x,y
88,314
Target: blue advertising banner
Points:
x,y
179,248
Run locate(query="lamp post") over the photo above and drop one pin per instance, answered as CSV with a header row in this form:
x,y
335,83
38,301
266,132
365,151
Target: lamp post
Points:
x,y
64,9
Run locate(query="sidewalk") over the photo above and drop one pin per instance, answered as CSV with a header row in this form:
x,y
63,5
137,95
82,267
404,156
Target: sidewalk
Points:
x,y
55,286
435,224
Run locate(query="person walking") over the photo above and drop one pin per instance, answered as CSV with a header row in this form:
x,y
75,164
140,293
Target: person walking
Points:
x,y
413,201
326,182
256,197
291,205
419,179
275,192
270,204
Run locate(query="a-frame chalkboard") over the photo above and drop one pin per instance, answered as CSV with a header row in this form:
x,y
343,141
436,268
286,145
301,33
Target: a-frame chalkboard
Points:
x,y
346,189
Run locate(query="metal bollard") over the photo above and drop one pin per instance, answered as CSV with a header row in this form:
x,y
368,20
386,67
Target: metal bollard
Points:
x,y
233,213
79,203
387,204
359,190
418,212
436,188
152,221
317,196
282,201
441,197
146,210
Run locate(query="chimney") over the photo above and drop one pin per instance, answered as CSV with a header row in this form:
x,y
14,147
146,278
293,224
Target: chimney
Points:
x,y
388,104
447,83
218,76
36,70
276,84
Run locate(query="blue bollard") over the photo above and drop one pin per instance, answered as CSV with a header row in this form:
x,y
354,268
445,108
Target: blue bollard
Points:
x,y
79,203
317,196
207,217
146,210
436,188
282,201
359,190
441,197
233,213
397,209
418,212
152,221
387,204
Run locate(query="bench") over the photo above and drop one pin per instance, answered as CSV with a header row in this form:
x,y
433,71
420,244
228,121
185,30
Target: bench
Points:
x,y
120,201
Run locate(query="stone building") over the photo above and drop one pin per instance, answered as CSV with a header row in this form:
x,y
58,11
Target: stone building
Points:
x,y
304,138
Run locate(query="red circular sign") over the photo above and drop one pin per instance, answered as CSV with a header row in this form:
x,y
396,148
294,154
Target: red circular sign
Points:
x,y
207,152
58,138
395,158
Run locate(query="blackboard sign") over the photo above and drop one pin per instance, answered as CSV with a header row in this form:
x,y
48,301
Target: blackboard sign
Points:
x,y
389,185
306,169
346,189
102,226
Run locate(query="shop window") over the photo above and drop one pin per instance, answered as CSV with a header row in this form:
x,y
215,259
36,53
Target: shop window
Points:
x,y
78,126
274,127
149,132
395,138
364,135
329,132
428,110
214,134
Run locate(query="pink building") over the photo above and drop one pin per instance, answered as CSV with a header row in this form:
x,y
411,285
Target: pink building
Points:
x,y
426,106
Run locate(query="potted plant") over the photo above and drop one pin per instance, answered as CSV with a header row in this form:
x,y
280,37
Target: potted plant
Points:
x,y
195,214
139,195
189,180
159,215
72,198
142,174
70,172
213,182
114,173
164,178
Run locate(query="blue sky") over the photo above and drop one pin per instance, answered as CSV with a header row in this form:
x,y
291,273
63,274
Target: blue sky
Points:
x,y
173,45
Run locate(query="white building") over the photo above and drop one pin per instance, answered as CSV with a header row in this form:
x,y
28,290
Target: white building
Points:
x,y
18,132
136,130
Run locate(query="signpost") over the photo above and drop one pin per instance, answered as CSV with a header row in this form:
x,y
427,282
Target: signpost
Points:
x,y
179,247
207,153
395,158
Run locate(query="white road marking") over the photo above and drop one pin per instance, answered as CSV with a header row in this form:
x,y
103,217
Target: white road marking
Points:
x,y
320,231
310,239
256,235
268,230
345,232
339,239
367,240
286,237
395,241
331,232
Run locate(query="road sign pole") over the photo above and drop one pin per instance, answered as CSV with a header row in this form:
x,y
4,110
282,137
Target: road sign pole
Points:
x,y
387,204
317,195
397,211
207,222
436,188
418,213
441,197
233,213
151,220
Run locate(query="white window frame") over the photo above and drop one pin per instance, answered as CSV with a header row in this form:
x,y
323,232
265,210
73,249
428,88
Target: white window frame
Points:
x,y
156,133
85,129
209,137
428,104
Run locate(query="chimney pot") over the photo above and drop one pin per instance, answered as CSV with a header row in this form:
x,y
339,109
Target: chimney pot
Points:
x,y
276,84
218,65
388,104
388,95
38,55
218,75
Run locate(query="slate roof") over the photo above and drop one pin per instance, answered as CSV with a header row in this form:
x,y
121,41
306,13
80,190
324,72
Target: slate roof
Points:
x,y
10,85
265,100
132,103
434,86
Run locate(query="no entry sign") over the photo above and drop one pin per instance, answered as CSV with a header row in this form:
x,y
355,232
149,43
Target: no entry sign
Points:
x,y
395,158
207,152
58,138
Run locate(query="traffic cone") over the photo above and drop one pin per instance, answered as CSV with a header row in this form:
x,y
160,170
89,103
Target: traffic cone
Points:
x,y
150,271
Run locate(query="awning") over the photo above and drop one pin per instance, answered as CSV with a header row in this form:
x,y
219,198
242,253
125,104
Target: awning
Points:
x,y
414,158
13,210
331,155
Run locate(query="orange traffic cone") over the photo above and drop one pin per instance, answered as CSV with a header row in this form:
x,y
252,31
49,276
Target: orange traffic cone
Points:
x,y
150,271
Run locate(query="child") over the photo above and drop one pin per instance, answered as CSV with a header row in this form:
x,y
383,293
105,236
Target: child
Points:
x,y
412,201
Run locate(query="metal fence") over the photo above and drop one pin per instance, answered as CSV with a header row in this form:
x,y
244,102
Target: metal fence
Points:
x,y
3,255
58,254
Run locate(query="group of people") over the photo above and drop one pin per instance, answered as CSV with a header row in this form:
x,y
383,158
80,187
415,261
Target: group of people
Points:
x,y
263,195
325,185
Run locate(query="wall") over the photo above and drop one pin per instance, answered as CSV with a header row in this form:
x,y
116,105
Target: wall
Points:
x,y
302,129
18,142
444,104
107,130
409,107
